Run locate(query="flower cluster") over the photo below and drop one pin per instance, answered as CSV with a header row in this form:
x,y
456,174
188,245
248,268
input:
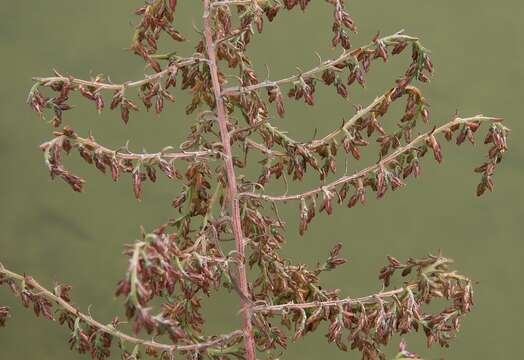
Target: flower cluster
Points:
x,y
371,321
141,166
391,171
157,266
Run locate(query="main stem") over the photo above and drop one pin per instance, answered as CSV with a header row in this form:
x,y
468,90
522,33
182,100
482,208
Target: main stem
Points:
x,y
231,181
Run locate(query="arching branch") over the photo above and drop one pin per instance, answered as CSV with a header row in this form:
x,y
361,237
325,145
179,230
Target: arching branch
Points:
x,y
140,165
123,153
382,163
390,40
37,290
100,85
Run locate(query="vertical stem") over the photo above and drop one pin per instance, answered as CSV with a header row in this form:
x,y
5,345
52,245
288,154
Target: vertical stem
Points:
x,y
231,180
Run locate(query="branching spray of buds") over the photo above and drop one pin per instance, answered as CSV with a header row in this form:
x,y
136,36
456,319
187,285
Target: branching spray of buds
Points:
x,y
174,266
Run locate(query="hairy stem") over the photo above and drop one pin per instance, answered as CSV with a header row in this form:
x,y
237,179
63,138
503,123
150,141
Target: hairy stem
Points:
x,y
231,180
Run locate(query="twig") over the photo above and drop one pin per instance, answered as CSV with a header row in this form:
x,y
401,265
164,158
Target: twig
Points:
x,y
346,55
370,299
124,154
110,329
378,165
109,86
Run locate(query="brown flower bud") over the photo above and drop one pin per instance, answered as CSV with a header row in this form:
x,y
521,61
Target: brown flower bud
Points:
x,y
115,169
435,146
137,183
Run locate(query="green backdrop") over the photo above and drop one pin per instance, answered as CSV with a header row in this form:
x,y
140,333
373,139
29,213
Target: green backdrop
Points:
x,y
55,234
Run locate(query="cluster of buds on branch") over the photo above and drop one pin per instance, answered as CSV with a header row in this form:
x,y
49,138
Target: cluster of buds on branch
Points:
x,y
141,166
175,266
371,321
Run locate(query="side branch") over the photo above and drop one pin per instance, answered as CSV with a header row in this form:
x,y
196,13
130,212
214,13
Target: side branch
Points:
x,y
314,144
348,124
46,81
142,166
329,64
123,153
110,329
372,320
382,163
365,300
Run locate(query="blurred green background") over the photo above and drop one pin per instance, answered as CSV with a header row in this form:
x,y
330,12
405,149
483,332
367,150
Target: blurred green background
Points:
x,y
55,234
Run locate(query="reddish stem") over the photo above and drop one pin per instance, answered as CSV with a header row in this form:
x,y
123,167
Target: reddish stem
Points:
x,y
232,182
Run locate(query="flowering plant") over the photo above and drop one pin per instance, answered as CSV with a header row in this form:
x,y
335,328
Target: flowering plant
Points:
x,y
171,268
